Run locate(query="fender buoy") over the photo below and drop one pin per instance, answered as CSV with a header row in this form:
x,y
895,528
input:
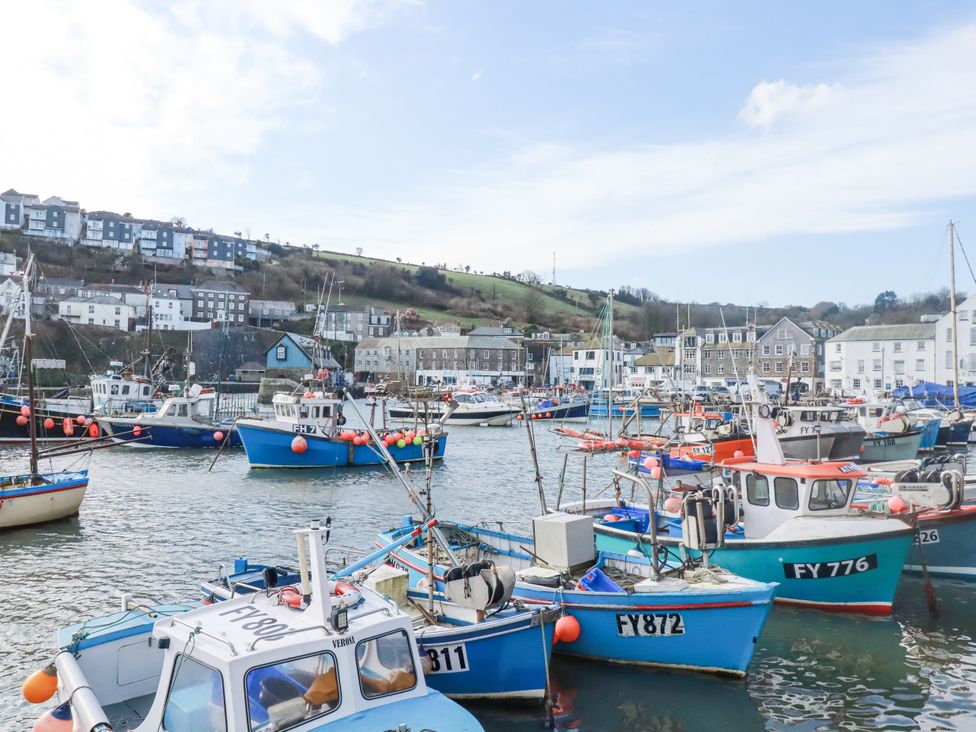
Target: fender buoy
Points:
x,y
25,411
21,420
299,444
40,685
49,424
218,436
567,629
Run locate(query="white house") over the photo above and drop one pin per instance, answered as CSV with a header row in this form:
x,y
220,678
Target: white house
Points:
x,y
874,358
966,323
54,218
591,369
12,296
8,263
172,309
109,312
653,367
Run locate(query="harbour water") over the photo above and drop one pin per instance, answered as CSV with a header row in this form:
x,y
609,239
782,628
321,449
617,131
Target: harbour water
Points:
x,y
156,522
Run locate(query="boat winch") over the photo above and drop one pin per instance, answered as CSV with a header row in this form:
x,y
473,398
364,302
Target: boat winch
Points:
x,y
936,488
479,585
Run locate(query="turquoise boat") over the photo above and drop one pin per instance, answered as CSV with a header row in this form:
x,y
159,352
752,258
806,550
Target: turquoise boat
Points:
x,y
785,521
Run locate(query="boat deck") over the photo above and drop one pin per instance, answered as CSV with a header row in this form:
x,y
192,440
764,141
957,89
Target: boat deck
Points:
x,y
129,714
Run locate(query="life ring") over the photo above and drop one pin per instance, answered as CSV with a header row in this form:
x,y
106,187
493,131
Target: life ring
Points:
x,y
290,596
764,411
349,594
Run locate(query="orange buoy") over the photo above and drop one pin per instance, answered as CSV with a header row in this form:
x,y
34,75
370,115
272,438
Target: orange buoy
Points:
x,y
548,415
21,420
299,444
69,427
611,517
307,395
41,685
49,424
567,629
137,430
93,430
25,411
219,436
80,419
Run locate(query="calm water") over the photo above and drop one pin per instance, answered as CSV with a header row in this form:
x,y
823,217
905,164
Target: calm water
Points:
x,y
155,522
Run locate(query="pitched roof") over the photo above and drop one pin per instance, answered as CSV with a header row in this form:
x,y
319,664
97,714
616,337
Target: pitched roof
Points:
x,y
219,286
409,343
656,358
907,332
98,300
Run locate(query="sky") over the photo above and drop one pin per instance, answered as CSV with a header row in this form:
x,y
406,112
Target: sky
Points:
x,y
748,152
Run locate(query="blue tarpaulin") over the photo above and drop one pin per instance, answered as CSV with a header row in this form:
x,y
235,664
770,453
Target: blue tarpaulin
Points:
x,y
930,393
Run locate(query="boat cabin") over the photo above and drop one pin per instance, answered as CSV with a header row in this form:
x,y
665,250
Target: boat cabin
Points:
x,y
199,404
310,412
772,494
116,391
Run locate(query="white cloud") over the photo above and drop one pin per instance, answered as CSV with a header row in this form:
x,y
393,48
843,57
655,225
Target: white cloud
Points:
x,y
476,75
126,105
875,149
770,100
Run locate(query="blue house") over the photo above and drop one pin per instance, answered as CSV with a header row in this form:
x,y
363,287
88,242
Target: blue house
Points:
x,y
293,353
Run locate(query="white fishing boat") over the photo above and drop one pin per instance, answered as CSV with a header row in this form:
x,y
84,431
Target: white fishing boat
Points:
x,y
474,407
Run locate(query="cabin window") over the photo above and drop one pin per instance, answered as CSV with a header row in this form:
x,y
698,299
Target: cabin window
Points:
x,y
182,410
195,699
757,489
303,412
125,390
875,412
315,412
785,491
807,416
115,389
386,665
145,391
284,695
829,494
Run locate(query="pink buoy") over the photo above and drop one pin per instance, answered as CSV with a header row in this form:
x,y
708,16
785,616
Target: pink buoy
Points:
x,y
219,436
610,517
299,444
25,411
21,420
896,504
55,720
307,395
357,440
567,629
137,430
656,473
80,419
672,504
49,424
738,454
650,463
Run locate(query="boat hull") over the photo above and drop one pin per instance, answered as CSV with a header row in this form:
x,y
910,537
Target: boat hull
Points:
x,y
168,436
954,434
719,629
268,446
11,432
930,436
572,412
646,410
945,544
881,447
29,505
789,563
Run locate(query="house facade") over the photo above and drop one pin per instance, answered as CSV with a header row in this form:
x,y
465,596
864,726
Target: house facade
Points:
x,y
592,364
263,312
651,368
294,356
54,218
428,360
107,312
872,359
342,323
794,351
966,324
13,208
220,301
715,356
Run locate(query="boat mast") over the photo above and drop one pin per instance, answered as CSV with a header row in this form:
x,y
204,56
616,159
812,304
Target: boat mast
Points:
x,y
952,308
28,356
147,369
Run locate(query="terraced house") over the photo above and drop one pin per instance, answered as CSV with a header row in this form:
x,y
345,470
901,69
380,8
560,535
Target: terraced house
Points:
x,y
794,351
429,360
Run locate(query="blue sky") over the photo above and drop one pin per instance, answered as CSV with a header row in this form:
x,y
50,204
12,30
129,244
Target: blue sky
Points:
x,y
739,152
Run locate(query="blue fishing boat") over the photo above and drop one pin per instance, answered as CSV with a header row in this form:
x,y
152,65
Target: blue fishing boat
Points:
x,y
476,646
618,608
797,528
930,497
186,421
561,409
307,432
307,660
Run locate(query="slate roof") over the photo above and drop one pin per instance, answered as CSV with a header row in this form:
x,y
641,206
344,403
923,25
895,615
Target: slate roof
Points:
x,y
903,332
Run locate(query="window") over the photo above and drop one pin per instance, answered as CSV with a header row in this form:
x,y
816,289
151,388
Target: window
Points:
x,y
920,346
837,348
876,364
948,361
804,367
785,491
804,349
877,383
195,698
829,494
860,366
281,353
709,338
766,350
707,369
757,489
721,369
386,665
91,308
779,367
737,337
765,367
972,336
723,337
856,383
779,349
949,333
285,695
899,367
876,347
920,364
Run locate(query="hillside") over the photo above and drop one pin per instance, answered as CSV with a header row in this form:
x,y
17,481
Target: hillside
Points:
x,y
438,294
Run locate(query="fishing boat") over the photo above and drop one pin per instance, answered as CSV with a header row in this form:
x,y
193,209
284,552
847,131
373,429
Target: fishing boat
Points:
x,y
37,497
305,658
626,401
186,421
465,407
560,409
786,521
932,498
622,609
708,435
477,647
120,391
892,434
306,431
810,432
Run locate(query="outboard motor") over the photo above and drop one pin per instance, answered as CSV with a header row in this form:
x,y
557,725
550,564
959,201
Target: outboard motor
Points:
x,y
479,585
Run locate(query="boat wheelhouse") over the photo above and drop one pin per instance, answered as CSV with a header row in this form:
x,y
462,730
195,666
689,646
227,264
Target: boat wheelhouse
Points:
x,y
810,432
471,407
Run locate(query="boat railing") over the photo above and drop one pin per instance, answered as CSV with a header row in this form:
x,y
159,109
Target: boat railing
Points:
x,y
279,636
197,628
